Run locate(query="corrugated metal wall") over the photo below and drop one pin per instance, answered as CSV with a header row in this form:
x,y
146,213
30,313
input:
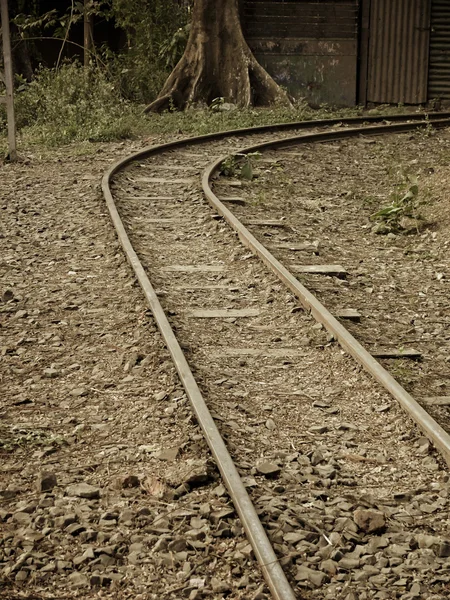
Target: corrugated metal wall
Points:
x,y
309,46
317,19
398,51
439,72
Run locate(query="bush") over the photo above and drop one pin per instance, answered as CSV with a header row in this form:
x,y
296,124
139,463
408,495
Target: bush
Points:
x,y
156,32
73,104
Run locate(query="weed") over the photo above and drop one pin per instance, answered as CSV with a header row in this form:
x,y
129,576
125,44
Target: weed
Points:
x,y
228,166
239,165
402,214
15,437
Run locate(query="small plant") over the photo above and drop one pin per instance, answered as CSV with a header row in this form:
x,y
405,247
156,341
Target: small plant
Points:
x,y
427,131
239,165
228,167
402,214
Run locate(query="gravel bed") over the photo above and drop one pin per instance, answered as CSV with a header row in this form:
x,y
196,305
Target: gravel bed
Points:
x,y
398,282
351,494
107,488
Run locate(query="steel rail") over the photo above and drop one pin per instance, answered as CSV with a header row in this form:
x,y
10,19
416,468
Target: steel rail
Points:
x,y
271,569
439,437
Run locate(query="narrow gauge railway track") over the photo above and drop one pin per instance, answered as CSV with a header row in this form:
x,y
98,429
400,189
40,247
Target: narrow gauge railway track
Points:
x,y
224,308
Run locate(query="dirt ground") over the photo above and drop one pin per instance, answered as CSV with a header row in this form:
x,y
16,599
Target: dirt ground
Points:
x,y
91,408
398,273
92,413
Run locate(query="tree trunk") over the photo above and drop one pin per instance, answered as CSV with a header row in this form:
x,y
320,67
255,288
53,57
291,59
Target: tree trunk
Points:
x,y
217,63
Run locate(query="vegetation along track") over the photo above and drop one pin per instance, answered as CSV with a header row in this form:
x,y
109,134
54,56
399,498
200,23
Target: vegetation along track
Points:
x,y
301,421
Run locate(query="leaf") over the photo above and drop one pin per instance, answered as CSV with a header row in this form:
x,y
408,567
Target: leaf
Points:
x,y
247,171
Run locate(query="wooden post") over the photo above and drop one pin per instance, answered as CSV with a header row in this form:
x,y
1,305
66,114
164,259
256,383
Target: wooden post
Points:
x,y
8,80
88,34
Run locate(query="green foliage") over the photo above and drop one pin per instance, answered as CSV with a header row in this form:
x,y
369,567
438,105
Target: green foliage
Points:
x,y
239,165
402,214
73,104
228,166
172,49
156,33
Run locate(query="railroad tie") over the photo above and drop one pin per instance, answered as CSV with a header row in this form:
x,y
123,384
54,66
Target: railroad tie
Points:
x,y
405,353
266,352
348,313
332,270
173,168
193,269
163,180
239,313
437,401
304,247
265,222
234,200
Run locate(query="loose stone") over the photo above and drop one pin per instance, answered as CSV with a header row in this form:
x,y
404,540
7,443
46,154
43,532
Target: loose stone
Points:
x,y
369,520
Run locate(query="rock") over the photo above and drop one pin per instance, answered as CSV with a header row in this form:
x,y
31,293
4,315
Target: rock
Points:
x,y
83,490
75,529
318,429
66,520
51,373
7,296
177,545
23,518
317,457
78,580
444,549
170,454
348,563
21,576
46,482
87,555
398,550
79,392
270,424
191,473
329,566
360,576
369,520
134,558
126,517
268,469
317,578
293,537
423,445
219,587
226,107
347,427
223,513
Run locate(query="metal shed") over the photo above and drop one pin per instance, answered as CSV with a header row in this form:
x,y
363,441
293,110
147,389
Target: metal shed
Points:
x,y
345,52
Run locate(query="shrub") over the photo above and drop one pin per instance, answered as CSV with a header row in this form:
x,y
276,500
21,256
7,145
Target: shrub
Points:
x,y
73,104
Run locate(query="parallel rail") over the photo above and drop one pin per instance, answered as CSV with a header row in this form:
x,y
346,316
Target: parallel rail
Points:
x,y
271,569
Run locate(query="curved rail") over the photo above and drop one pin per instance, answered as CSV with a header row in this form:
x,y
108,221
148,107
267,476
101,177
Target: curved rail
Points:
x,y
439,437
271,569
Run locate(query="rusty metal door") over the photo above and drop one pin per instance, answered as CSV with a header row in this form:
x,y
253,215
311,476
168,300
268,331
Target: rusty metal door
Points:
x,y
398,51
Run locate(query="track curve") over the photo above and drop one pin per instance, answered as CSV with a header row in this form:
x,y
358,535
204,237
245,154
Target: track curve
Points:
x,y
272,571
439,437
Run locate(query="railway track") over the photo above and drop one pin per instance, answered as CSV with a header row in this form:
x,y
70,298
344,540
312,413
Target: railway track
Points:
x,y
274,396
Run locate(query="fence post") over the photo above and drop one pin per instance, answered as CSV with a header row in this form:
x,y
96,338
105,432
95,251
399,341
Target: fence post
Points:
x,y
8,80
